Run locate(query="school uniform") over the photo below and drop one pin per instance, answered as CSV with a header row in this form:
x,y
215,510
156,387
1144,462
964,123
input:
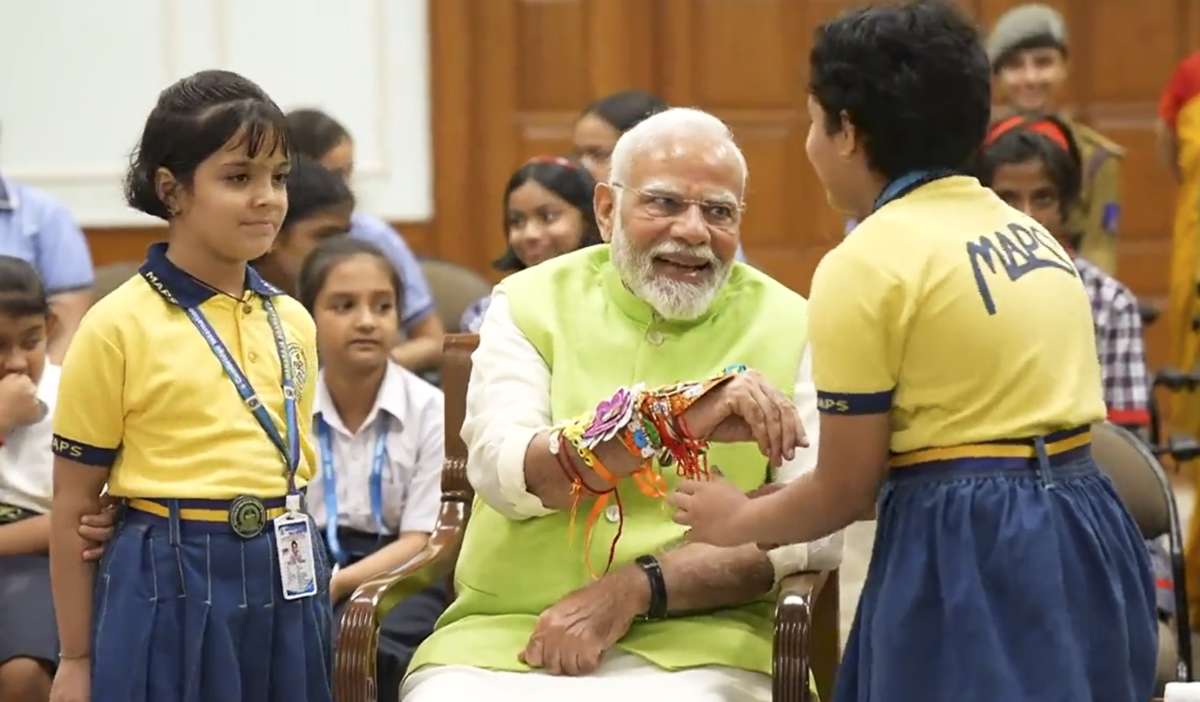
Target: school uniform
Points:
x,y
1005,566
27,628
386,480
188,601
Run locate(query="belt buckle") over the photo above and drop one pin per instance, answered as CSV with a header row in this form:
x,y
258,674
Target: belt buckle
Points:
x,y
247,516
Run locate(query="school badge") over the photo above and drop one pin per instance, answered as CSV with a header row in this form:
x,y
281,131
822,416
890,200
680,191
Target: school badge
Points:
x,y
247,516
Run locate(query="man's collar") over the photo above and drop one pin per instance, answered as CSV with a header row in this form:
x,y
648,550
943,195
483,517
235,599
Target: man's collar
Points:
x,y
390,398
8,196
180,288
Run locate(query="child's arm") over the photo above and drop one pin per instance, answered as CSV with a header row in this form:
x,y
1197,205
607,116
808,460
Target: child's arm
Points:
x,y
76,493
347,580
852,461
26,536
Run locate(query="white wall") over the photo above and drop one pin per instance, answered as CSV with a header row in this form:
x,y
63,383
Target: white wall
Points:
x,y
78,77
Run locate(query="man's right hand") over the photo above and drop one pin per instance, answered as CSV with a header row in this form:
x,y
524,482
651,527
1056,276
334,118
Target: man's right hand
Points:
x,y
19,405
747,408
97,529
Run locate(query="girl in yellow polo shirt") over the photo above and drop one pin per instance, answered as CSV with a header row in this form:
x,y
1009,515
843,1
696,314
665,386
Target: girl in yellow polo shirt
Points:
x,y
189,391
957,377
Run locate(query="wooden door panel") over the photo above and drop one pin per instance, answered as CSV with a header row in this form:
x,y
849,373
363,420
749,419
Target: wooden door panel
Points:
x,y
1131,48
622,41
552,61
1147,190
747,53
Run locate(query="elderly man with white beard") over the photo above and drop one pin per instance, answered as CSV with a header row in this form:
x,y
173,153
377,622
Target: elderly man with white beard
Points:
x,y
601,376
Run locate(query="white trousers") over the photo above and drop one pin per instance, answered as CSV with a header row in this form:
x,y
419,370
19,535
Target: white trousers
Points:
x,y
621,677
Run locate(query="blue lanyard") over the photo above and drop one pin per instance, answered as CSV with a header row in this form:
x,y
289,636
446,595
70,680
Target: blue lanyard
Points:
x,y
329,482
289,448
907,183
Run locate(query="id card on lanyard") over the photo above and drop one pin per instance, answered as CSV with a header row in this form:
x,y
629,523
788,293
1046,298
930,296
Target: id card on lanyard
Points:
x,y
379,457
293,537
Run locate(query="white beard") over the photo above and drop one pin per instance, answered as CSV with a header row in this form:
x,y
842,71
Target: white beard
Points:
x,y
671,299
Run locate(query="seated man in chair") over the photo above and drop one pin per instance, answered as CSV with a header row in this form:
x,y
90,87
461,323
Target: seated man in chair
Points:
x,y
600,376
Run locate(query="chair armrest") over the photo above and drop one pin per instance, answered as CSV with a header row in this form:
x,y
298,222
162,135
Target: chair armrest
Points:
x,y
790,667
357,643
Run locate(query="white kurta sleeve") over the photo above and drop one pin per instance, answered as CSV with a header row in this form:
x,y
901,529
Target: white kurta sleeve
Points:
x,y
508,403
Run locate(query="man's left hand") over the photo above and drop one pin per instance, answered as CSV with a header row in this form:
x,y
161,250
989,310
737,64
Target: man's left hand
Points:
x,y
573,634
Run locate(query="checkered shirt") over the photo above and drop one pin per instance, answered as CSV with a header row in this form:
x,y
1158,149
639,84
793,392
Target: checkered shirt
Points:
x,y
1118,343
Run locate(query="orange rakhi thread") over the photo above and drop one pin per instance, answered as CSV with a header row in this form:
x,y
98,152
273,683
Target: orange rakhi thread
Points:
x,y
650,425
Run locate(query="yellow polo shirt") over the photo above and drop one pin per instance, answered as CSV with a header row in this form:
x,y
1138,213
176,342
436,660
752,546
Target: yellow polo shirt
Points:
x,y
959,316
143,394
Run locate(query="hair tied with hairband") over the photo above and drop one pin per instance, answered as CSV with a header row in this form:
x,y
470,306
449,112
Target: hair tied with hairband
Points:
x,y
554,160
1043,126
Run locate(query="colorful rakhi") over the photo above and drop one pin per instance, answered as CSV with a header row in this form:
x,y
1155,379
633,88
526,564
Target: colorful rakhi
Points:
x,y
651,427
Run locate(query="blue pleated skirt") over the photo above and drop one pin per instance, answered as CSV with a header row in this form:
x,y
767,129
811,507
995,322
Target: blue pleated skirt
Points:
x,y
1000,580
189,611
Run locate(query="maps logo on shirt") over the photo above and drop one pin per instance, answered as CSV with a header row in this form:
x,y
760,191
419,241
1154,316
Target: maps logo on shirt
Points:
x,y
828,404
65,448
1025,251
299,364
159,286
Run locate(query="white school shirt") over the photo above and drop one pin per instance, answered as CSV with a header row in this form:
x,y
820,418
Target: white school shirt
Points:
x,y
26,462
412,473
508,403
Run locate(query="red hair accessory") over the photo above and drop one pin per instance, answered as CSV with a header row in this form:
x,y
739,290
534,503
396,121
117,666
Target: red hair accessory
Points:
x,y
1043,126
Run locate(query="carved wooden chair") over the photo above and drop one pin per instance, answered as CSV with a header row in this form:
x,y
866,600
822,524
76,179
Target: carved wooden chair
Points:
x,y
806,616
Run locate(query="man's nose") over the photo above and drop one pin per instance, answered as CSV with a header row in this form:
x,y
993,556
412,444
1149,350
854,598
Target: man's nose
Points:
x,y
690,227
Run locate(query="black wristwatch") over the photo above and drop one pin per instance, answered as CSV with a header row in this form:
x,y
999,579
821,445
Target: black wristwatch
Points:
x,y
658,587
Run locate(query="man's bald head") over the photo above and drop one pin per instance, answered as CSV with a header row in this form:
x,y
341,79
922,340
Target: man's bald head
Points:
x,y
676,132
